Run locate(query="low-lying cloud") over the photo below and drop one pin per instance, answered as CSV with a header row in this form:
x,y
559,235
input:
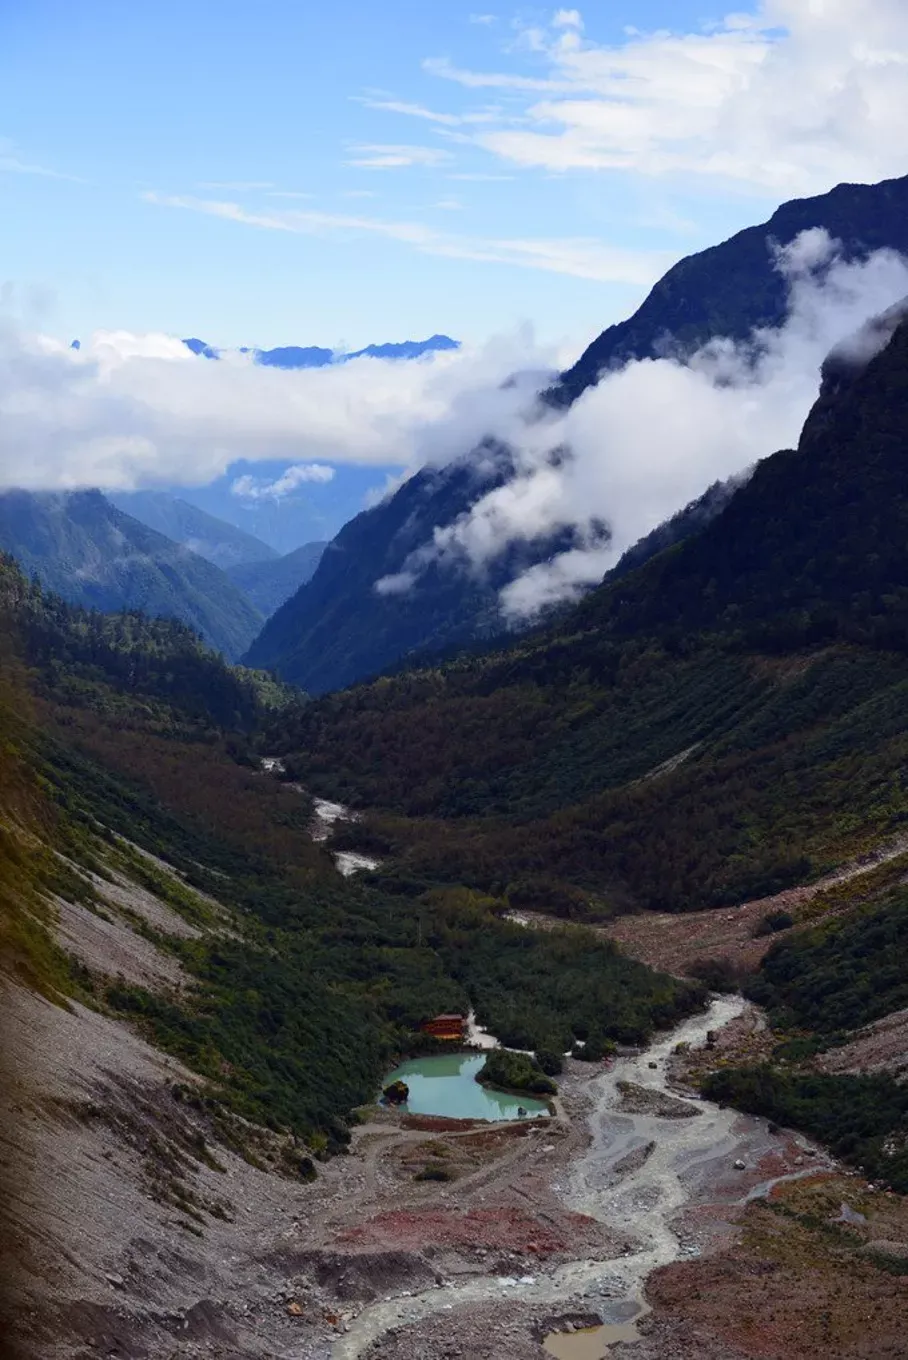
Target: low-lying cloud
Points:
x,y
127,411
652,436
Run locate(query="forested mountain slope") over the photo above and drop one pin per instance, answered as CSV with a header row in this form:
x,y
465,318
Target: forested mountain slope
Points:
x,y
147,734
214,539
267,584
81,546
340,629
715,725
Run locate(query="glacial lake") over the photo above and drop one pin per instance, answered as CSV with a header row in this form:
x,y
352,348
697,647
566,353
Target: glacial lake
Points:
x,y
446,1085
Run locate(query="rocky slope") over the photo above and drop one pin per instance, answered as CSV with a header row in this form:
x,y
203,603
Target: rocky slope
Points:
x,y
733,288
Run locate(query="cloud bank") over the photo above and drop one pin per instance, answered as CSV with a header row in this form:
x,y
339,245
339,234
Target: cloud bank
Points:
x,y
126,410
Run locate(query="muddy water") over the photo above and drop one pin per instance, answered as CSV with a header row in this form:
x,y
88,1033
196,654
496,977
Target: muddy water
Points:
x,y
590,1343
640,1205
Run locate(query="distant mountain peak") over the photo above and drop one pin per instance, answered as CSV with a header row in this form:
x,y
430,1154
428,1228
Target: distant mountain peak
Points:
x,y
315,356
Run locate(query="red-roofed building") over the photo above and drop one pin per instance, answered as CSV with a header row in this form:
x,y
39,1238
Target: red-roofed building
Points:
x,y
450,1028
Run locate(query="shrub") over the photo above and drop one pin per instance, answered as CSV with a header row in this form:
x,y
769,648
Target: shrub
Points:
x,y
774,921
550,1060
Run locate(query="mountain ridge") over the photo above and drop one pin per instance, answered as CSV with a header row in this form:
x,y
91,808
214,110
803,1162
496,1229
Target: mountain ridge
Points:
x,y
215,539
83,547
316,356
727,290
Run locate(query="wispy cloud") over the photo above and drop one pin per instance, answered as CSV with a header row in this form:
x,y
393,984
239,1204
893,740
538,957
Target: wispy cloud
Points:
x,y
567,18
380,156
579,257
483,18
786,100
236,186
401,106
289,193
12,163
249,488
487,80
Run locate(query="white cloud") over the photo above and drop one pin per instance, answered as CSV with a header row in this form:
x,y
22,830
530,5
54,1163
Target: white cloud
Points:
x,y
483,18
585,259
250,488
651,437
376,156
236,186
130,410
789,100
401,106
567,18
481,80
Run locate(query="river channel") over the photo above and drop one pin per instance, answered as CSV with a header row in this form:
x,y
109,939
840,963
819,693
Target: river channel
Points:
x,y
642,1204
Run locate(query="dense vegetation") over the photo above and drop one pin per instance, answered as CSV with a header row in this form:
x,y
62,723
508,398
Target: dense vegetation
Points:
x,y
515,1072
719,724
310,986
841,975
861,1119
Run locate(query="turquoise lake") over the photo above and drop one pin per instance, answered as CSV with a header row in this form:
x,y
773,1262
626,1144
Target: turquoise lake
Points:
x,y
446,1085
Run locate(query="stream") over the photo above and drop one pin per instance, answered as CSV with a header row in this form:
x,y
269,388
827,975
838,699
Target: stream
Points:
x,y
326,813
640,1204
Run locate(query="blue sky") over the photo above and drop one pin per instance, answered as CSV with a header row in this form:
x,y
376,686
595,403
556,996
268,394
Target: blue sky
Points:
x,y
233,106
275,171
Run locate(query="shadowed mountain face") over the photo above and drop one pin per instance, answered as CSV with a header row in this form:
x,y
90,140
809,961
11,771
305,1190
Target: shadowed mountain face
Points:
x,y
268,584
732,288
81,546
339,629
210,537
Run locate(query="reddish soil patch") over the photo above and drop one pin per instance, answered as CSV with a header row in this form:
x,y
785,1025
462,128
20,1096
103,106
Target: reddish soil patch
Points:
x,y
430,1123
503,1229
673,942
796,1282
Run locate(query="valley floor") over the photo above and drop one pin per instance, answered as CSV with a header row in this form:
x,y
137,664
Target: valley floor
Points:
x,y
145,1222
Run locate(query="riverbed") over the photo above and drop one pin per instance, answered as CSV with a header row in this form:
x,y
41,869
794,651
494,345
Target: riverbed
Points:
x,y
638,1171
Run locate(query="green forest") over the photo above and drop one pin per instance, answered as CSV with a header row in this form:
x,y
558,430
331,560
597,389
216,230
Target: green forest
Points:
x,y
318,984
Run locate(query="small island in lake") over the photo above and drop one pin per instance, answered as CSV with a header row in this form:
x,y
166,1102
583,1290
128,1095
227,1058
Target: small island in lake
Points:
x,y
515,1072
